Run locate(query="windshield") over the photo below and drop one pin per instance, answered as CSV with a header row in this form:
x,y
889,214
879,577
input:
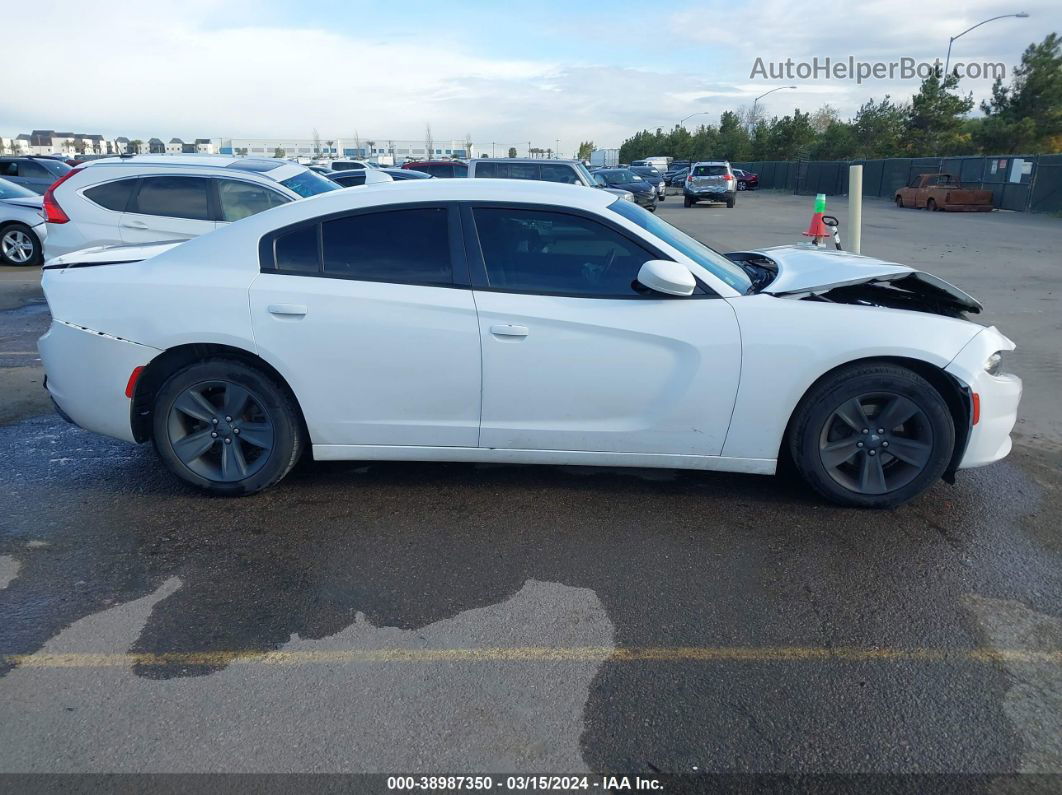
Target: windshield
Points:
x,y
710,260
56,167
9,190
584,173
307,183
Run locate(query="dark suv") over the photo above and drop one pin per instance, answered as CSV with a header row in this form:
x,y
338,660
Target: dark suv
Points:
x,y
35,173
443,169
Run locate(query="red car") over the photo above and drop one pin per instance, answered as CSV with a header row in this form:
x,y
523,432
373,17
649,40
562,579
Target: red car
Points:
x,y
439,168
746,180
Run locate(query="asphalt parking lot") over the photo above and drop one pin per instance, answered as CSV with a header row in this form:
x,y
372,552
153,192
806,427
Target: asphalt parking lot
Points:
x,y
459,618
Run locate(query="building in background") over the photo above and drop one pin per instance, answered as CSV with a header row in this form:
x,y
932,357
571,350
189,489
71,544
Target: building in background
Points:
x,y
607,158
382,149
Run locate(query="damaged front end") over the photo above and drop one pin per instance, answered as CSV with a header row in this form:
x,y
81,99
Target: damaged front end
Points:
x,y
808,273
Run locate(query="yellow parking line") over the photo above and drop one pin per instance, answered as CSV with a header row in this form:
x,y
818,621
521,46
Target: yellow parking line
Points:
x,y
708,654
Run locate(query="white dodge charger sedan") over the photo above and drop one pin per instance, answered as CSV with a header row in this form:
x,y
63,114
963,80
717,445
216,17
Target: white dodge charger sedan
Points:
x,y
524,322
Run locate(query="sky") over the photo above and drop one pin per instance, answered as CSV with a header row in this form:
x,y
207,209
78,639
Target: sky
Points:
x,y
498,72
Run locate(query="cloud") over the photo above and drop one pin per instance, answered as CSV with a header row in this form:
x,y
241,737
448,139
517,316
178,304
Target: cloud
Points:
x,y
190,70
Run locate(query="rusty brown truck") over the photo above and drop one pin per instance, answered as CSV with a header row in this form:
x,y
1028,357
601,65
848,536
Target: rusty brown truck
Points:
x,y
943,192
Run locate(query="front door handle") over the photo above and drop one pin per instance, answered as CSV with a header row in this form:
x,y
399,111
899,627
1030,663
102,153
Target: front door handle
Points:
x,y
134,225
508,330
297,310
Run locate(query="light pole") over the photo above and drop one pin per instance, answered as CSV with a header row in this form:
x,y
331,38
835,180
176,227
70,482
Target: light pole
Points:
x,y
698,113
947,60
761,96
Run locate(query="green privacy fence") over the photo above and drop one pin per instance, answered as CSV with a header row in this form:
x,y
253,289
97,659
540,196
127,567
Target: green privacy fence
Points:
x,y
1026,183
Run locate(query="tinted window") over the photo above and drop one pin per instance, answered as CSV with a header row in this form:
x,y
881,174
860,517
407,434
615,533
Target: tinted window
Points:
x,y
9,169
709,171
350,180
55,168
710,260
30,168
407,246
542,251
460,169
112,195
244,199
307,183
523,171
175,197
553,172
494,170
297,250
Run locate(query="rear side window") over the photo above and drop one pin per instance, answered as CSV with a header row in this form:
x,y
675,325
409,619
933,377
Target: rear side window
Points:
x,y
709,171
524,171
30,169
403,246
112,195
297,251
492,170
243,199
554,172
460,169
173,197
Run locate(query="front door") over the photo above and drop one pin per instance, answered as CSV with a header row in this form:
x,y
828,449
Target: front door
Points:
x,y
577,357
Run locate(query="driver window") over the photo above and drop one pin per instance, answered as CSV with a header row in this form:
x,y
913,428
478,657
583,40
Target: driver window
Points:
x,y
555,253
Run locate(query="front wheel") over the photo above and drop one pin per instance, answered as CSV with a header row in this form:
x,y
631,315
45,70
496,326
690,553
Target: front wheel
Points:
x,y
226,427
899,202
931,205
872,436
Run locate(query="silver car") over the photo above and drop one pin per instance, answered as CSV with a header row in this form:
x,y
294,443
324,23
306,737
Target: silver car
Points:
x,y
710,180
22,227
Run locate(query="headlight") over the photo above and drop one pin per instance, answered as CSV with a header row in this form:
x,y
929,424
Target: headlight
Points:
x,y
994,363
628,196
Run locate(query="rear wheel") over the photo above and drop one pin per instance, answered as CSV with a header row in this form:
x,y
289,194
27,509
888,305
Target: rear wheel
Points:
x,y
687,201
742,185
226,427
731,202
872,436
931,205
19,245
899,201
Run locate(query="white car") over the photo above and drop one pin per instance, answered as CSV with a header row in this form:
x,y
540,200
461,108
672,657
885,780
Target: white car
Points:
x,y
22,228
525,322
150,198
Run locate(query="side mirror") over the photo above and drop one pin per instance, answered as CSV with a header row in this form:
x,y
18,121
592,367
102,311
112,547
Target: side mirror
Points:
x,y
667,277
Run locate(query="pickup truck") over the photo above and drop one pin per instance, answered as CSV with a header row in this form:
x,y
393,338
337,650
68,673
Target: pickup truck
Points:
x,y
943,192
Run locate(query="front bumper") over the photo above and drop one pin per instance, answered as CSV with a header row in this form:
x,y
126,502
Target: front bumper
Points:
x,y
645,199
87,373
998,397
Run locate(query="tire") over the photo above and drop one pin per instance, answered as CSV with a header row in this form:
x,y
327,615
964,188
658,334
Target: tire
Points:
x,y
731,202
198,443
931,205
687,201
19,245
742,185
850,467
899,201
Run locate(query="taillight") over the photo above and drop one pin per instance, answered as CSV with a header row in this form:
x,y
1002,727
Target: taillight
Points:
x,y
53,213
689,178
727,177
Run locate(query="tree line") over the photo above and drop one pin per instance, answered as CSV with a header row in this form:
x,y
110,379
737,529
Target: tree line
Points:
x,y
1024,117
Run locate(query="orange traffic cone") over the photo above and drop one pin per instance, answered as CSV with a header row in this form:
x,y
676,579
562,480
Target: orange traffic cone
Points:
x,y
817,229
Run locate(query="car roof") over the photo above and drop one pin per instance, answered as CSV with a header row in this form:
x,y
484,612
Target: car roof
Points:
x,y
269,169
523,160
711,163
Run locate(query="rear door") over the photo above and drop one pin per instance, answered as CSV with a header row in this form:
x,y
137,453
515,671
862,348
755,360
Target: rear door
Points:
x,y
168,208
370,319
709,179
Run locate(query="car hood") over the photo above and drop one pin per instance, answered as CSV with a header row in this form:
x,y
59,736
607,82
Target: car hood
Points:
x,y
111,255
26,201
805,269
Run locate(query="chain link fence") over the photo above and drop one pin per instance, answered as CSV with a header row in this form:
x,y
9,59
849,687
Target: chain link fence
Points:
x,y
1025,183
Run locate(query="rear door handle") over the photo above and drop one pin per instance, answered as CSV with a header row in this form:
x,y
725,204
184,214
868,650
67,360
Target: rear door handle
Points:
x,y
508,330
296,310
